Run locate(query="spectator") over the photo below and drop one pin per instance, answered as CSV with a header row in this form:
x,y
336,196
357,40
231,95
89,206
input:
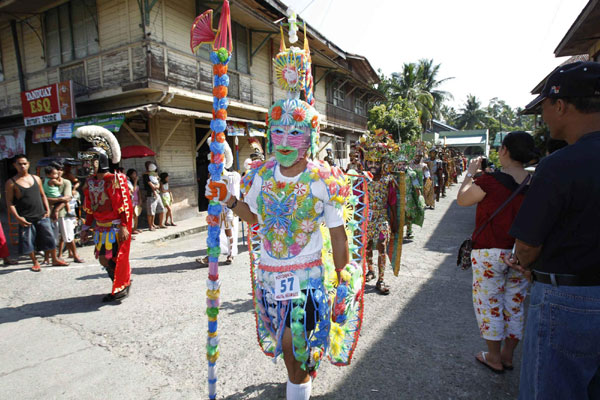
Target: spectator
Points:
x,y
558,241
66,221
52,190
4,251
28,204
132,180
154,206
167,197
498,291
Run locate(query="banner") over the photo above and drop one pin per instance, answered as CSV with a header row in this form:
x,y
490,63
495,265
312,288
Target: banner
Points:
x,y
111,122
236,128
12,142
42,134
63,131
48,104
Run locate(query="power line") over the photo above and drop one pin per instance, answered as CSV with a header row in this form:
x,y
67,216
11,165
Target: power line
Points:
x,y
308,5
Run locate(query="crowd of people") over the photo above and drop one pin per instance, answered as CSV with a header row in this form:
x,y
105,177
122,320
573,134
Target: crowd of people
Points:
x,y
49,211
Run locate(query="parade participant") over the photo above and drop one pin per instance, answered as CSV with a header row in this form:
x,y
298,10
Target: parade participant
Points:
x,y
415,204
107,202
436,172
382,197
290,196
229,223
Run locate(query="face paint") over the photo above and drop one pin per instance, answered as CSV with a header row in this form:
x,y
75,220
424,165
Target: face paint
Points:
x,y
374,167
290,143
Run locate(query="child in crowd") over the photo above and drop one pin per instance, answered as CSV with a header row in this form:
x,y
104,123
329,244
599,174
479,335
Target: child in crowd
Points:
x,y
167,197
132,180
52,185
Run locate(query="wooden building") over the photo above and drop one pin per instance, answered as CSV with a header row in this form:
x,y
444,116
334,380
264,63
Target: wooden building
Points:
x,y
132,58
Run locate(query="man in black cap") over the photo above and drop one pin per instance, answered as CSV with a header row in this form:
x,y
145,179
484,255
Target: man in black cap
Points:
x,y
558,242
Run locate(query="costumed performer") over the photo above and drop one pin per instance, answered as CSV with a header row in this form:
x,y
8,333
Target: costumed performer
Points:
x,y
382,197
415,204
294,274
229,223
107,202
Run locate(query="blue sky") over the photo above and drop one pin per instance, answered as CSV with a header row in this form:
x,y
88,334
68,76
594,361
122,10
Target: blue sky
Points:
x,y
491,48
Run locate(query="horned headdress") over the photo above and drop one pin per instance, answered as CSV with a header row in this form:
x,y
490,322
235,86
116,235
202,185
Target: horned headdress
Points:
x,y
105,145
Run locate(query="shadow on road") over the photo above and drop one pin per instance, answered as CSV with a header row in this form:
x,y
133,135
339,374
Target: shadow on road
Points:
x,y
51,308
270,390
428,351
238,306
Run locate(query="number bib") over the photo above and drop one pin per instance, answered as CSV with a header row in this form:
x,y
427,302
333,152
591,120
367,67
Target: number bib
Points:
x,y
287,286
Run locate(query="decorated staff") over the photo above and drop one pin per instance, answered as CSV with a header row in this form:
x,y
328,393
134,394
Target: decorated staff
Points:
x,y
107,202
221,42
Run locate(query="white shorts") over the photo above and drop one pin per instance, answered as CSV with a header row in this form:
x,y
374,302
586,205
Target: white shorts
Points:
x,y
64,228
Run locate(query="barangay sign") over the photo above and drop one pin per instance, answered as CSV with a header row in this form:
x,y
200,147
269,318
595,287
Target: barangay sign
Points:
x,y
48,104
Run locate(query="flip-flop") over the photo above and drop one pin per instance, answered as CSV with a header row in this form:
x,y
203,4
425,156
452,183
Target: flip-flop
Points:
x,y
369,276
485,363
36,268
60,263
508,367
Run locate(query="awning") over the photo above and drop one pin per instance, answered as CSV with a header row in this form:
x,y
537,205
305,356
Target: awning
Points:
x,y
153,109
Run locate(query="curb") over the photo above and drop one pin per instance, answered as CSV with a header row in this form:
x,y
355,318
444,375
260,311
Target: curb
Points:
x,y
179,234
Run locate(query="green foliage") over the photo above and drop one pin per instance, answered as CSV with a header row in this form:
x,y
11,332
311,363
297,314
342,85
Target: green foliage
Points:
x,y
494,158
401,119
417,83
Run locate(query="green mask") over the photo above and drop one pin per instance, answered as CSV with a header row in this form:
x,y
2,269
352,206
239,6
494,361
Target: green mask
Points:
x,y
286,160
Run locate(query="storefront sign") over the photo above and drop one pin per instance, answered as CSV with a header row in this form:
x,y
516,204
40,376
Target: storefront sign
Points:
x,y
111,122
42,134
12,142
236,129
48,104
63,131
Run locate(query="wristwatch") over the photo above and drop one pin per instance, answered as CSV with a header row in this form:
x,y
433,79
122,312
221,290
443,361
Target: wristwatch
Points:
x,y
469,175
232,204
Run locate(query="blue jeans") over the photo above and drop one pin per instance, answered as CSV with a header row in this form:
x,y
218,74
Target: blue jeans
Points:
x,y
561,347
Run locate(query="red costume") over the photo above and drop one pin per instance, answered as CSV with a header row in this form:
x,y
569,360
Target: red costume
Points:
x,y
108,202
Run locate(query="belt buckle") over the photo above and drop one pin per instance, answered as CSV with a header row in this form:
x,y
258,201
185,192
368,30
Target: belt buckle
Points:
x,y
553,280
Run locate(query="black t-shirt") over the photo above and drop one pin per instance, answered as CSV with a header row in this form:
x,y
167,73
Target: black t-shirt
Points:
x,y
561,211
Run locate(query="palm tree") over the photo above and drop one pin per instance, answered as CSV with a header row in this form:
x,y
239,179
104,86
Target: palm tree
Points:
x,y
407,85
471,116
428,75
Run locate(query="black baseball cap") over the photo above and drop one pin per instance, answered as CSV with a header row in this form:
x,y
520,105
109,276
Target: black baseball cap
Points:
x,y
578,79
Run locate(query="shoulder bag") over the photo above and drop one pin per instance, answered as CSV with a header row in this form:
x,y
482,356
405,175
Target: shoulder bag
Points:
x,y
464,252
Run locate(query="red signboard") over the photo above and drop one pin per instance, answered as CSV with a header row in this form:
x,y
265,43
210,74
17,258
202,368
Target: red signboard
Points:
x,y
48,104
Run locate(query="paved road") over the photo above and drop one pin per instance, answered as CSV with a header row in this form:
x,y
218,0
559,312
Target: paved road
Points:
x,y
59,341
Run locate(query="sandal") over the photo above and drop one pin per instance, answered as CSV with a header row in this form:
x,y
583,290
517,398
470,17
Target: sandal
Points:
x,y
485,362
229,260
203,261
382,288
370,276
60,263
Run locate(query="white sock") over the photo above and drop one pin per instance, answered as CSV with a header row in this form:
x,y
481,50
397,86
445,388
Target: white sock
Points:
x,y
298,392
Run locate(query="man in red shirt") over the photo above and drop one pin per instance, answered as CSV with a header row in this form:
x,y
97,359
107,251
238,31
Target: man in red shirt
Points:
x,y
107,202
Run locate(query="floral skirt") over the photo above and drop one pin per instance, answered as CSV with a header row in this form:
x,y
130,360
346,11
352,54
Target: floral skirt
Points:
x,y
314,333
498,295
378,228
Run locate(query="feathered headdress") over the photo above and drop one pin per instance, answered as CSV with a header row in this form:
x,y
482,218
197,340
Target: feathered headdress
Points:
x,y
293,74
102,138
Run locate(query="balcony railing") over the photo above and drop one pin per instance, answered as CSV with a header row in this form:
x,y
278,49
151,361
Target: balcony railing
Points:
x,y
123,66
342,116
